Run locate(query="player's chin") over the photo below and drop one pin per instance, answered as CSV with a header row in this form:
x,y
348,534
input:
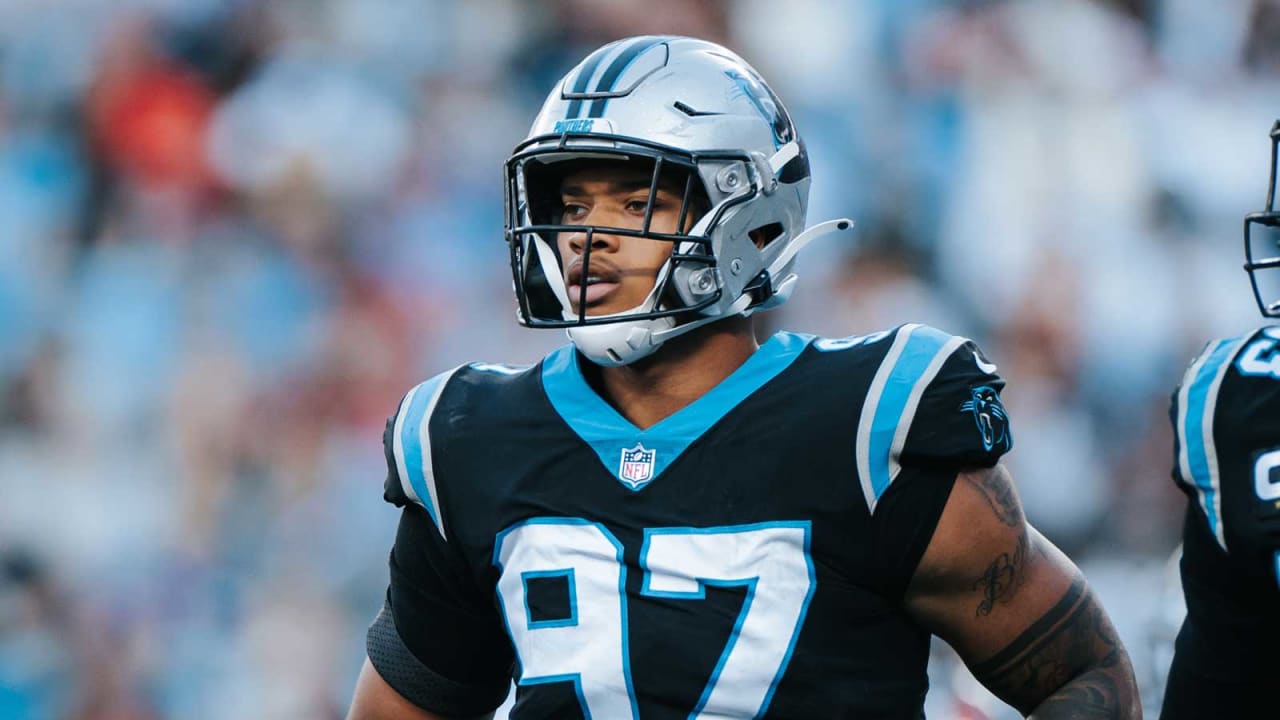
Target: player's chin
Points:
x,y
601,310
602,299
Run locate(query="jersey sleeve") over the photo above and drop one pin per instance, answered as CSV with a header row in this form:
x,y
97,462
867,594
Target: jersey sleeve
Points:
x,y
439,640
904,522
933,410
1226,421
407,441
933,403
960,421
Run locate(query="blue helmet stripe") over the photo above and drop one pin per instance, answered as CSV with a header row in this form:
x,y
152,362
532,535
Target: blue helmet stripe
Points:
x,y
584,78
615,70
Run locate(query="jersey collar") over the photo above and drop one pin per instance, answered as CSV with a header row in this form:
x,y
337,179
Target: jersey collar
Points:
x,y
636,457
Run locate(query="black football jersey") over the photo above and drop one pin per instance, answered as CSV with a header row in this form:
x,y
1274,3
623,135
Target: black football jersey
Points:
x,y
744,557
1226,416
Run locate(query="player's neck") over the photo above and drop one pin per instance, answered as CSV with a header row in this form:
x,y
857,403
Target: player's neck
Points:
x,y
685,369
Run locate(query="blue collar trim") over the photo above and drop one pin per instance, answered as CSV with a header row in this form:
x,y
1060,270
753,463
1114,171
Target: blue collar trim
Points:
x,y
636,457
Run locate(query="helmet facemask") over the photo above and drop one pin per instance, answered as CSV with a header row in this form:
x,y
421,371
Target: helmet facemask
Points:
x,y
534,226
1262,243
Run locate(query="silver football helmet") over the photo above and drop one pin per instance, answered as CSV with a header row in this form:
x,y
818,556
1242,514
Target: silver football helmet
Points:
x,y
679,108
1262,242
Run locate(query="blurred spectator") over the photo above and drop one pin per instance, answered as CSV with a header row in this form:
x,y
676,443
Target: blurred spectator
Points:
x,y
234,231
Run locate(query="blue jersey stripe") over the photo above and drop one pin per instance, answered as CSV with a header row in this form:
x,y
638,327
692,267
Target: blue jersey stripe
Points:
x,y
917,355
1199,399
615,70
416,420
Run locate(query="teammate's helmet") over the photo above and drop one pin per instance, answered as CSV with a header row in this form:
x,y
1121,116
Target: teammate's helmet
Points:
x,y
692,113
1262,243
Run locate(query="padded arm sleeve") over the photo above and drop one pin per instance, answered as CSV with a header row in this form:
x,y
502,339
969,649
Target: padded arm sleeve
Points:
x,y
438,641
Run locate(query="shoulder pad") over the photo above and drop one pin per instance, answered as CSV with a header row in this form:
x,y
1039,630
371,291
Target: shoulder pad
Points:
x,y
934,400
407,441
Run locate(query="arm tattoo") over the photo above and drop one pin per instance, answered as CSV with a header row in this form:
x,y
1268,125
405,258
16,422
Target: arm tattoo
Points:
x,y
996,488
1069,663
1003,577
1095,697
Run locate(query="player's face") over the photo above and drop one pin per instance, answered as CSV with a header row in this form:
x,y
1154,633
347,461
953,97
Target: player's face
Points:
x,y
622,270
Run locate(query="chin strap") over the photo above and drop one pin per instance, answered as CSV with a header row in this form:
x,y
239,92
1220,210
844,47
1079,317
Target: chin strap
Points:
x,y
626,342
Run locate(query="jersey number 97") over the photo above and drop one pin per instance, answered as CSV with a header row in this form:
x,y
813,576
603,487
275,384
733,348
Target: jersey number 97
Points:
x,y
588,647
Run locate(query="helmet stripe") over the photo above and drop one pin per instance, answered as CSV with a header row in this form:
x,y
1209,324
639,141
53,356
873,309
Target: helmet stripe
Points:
x,y
615,70
584,78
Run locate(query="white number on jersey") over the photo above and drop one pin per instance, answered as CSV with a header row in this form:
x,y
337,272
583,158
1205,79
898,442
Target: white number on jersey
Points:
x,y
1267,464
1262,356
590,648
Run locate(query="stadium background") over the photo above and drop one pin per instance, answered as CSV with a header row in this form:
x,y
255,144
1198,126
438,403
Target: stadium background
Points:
x,y
233,232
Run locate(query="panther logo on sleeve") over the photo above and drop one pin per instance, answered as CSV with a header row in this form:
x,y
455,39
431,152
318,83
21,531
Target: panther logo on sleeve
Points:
x,y
989,414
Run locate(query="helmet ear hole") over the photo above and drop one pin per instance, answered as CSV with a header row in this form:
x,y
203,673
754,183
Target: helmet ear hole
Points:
x,y
765,234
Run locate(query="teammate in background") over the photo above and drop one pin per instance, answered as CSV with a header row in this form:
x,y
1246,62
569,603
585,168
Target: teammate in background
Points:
x,y
665,518
1226,418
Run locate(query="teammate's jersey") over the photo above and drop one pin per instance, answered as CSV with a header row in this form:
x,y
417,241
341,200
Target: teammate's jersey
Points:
x,y
745,557
1226,416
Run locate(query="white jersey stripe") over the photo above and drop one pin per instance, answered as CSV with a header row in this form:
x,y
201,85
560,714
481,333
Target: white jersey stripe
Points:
x,y
869,411
412,445
1184,398
1197,452
424,435
1210,448
397,446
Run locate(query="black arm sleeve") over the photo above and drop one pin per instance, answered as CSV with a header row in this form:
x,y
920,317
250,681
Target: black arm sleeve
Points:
x,y
439,641
905,519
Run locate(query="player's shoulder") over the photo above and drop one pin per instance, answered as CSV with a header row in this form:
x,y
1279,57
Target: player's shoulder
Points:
x,y
912,354
929,398
906,346
437,410
1240,374
1256,355
1226,418
465,389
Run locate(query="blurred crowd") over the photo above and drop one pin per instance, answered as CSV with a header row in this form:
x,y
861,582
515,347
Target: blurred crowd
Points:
x,y
234,232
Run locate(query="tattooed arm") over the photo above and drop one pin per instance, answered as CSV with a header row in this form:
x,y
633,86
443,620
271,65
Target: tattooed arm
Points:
x,y
1017,610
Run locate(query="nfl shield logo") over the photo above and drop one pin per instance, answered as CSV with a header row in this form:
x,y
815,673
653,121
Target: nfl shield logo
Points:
x,y
636,467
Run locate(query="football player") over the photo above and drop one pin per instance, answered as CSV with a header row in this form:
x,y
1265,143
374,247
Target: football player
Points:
x,y
1226,418
666,519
